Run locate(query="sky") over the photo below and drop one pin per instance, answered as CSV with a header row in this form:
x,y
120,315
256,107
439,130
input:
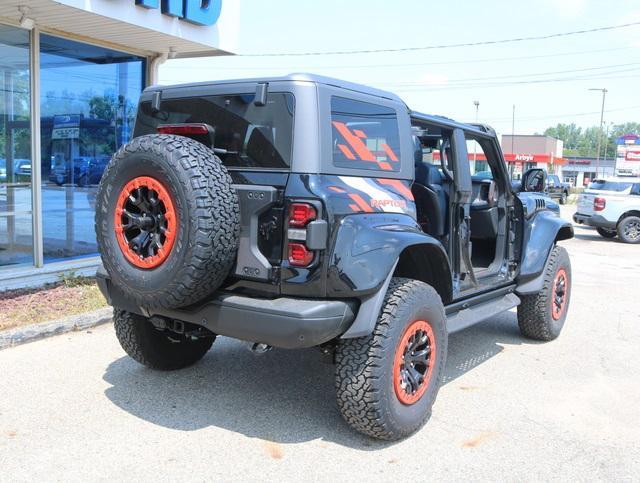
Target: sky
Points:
x,y
548,81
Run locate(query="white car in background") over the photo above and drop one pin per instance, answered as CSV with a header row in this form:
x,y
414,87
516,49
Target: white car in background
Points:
x,y
612,206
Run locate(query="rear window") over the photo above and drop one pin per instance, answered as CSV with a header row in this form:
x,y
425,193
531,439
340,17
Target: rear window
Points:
x,y
364,135
255,136
610,186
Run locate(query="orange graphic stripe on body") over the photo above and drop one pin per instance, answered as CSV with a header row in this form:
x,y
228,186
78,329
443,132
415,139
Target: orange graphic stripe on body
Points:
x,y
362,204
337,189
355,142
346,151
399,186
360,133
390,153
384,165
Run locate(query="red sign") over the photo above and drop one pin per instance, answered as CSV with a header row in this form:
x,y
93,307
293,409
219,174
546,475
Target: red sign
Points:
x,y
533,158
515,158
632,156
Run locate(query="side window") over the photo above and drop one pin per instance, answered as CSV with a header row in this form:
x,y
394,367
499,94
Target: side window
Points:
x,y
635,190
364,135
478,161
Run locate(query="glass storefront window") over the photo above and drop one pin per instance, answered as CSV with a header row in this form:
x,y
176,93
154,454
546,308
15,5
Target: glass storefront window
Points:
x,y
16,230
88,105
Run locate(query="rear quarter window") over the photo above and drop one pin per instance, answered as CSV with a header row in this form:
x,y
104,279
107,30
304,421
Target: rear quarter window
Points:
x,y
364,135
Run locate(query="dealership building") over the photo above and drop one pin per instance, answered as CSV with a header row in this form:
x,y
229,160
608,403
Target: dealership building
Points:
x,y
71,72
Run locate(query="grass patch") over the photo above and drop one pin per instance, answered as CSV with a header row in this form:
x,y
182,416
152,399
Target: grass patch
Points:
x,y
72,295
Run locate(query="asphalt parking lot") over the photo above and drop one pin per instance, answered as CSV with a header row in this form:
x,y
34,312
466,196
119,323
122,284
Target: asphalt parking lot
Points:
x,y
74,407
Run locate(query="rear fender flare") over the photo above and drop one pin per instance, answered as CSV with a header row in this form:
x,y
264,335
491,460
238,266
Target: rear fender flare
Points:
x,y
369,250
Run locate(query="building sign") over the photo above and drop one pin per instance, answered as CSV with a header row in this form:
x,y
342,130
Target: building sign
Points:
x,y
199,12
628,155
66,127
209,23
533,158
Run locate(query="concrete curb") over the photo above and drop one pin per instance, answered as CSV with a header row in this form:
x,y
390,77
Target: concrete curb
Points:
x,y
30,333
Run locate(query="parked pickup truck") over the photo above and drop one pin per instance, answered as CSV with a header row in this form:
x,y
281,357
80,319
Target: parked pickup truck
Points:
x,y
612,206
553,187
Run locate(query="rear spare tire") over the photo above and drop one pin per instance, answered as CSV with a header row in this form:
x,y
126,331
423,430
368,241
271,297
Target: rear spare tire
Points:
x,y
167,221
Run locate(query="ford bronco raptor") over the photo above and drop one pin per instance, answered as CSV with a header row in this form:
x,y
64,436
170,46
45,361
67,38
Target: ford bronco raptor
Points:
x,y
304,211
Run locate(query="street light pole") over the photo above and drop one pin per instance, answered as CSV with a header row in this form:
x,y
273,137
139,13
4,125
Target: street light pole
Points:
x,y
604,93
513,127
512,167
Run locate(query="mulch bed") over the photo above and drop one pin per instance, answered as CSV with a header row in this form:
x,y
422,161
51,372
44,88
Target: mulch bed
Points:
x,y
29,306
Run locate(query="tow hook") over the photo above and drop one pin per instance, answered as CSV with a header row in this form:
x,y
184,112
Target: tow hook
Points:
x,y
258,348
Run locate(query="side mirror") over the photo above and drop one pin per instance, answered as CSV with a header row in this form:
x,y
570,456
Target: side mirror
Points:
x,y
534,180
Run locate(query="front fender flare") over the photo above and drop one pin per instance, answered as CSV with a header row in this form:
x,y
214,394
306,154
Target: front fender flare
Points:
x,y
541,233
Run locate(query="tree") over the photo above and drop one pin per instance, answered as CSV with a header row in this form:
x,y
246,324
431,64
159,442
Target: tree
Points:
x,y
584,142
570,134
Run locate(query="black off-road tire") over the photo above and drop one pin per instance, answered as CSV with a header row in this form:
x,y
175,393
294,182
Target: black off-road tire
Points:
x,y
365,382
206,207
535,312
629,229
157,349
606,233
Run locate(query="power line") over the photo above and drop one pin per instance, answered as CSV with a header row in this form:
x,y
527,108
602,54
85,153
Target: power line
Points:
x,y
599,76
448,46
174,66
535,74
507,80
559,116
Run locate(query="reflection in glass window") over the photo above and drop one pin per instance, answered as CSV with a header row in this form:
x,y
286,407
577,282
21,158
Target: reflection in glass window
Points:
x,y
364,135
16,238
89,97
254,136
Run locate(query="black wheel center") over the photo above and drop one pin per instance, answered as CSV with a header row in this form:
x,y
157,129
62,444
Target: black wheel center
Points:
x,y
416,359
560,292
143,222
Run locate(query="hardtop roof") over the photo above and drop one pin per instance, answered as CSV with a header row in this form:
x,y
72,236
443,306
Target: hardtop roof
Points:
x,y
342,84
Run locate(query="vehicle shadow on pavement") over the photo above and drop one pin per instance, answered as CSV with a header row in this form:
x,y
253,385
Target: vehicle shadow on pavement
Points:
x,y
282,396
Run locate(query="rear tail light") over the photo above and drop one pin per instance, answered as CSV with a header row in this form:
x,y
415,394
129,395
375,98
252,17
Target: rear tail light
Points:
x,y
599,204
300,255
300,215
183,129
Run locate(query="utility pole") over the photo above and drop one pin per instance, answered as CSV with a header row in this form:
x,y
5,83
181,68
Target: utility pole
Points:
x,y
604,93
477,104
513,138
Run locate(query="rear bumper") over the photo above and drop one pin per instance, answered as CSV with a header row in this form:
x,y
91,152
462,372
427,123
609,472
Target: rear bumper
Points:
x,y
285,322
597,221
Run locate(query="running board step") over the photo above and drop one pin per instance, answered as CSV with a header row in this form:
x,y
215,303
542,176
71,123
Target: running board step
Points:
x,y
477,313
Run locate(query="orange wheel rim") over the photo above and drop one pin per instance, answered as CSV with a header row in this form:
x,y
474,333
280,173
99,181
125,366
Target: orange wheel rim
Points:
x,y
145,222
559,294
413,362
